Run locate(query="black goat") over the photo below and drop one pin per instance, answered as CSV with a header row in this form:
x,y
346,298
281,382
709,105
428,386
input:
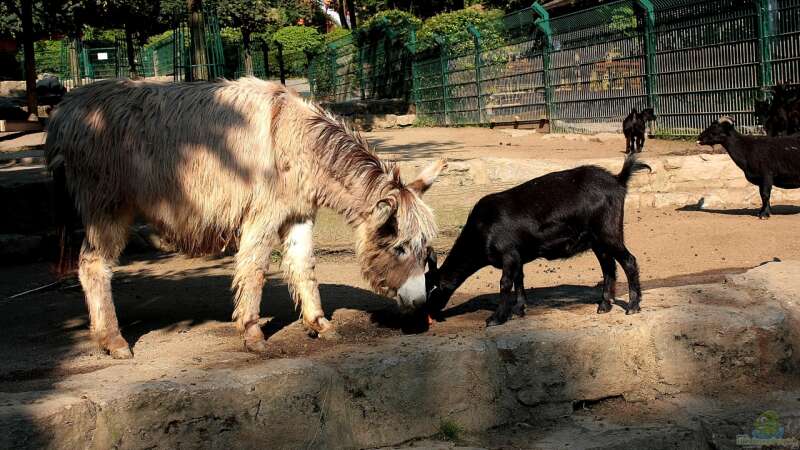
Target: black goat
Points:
x,y
634,127
766,161
554,216
781,115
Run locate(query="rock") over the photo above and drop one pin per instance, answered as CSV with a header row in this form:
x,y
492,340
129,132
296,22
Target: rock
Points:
x,y
406,120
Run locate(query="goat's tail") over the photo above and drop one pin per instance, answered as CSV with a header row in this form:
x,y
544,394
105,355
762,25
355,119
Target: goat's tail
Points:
x,y
64,215
631,165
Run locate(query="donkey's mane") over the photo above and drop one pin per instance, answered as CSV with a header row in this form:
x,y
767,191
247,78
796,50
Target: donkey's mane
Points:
x,y
348,155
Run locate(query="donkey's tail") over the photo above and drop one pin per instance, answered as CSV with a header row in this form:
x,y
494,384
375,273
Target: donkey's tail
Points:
x,y
631,165
64,215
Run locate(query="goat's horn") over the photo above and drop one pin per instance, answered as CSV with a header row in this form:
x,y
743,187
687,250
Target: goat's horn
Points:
x,y
726,119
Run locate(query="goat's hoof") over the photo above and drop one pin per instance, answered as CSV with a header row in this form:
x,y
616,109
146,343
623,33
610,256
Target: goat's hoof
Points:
x,y
495,320
604,307
519,310
763,216
633,310
255,346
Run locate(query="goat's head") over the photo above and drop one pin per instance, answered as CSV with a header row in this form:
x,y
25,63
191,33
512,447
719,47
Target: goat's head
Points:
x,y
648,115
718,132
394,239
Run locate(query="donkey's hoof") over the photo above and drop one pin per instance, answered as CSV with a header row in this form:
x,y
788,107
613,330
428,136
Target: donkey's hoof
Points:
x,y
319,327
519,310
495,320
634,309
121,353
255,346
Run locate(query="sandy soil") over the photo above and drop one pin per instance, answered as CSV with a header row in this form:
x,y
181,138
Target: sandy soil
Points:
x,y
467,143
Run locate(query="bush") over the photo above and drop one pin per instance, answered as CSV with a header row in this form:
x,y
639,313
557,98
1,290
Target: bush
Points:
x,y
48,56
453,27
399,21
297,41
336,34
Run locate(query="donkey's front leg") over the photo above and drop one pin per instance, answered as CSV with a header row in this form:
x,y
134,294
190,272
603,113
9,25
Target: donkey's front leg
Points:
x,y
251,265
298,267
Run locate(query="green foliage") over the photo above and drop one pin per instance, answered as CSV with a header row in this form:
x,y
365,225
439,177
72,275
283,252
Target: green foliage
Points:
x,y
336,34
95,37
623,19
453,27
297,42
154,41
398,21
249,16
450,430
48,56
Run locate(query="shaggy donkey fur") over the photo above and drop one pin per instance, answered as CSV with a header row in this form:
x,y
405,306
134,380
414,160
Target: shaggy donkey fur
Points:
x,y
555,216
765,161
244,163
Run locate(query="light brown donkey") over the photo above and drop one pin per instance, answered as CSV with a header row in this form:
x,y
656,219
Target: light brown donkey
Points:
x,y
238,162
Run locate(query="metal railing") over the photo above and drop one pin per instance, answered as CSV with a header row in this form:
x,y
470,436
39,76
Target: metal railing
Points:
x,y
690,60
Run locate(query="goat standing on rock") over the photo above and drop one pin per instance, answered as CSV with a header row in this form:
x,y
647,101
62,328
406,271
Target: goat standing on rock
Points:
x,y
555,216
765,161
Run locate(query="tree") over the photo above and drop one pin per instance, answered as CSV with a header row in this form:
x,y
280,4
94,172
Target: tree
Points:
x,y
136,18
250,17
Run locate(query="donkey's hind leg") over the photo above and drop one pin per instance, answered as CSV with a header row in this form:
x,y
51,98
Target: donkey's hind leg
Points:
x,y
299,272
105,240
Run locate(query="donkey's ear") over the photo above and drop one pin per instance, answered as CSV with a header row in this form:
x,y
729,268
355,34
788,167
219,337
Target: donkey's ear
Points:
x,y
383,211
428,175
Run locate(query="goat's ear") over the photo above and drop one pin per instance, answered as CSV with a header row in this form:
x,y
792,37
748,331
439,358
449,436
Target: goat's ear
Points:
x,y
383,211
649,114
428,175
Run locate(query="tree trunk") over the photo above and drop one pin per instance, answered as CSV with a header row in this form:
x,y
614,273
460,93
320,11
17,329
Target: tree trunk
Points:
x,y
247,53
30,59
131,50
351,10
74,61
342,15
197,32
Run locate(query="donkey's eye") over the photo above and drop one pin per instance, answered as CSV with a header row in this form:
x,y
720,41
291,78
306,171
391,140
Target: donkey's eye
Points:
x,y
399,250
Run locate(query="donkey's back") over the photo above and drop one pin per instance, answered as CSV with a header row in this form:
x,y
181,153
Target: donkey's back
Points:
x,y
189,157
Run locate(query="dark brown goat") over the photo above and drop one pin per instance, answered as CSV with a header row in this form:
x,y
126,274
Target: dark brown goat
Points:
x,y
766,161
555,216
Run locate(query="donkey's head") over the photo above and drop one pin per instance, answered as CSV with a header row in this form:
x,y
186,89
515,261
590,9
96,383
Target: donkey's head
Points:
x,y
394,238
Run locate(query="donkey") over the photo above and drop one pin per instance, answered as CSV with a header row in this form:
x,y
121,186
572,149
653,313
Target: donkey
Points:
x,y
245,163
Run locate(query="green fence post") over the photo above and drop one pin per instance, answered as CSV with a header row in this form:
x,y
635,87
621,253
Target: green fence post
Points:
x,y
443,69
411,46
334,71
476,37
765,32
361,80
650,52
543,24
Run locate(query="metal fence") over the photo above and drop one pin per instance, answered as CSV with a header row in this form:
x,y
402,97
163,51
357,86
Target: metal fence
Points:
x,y
690,60
364,66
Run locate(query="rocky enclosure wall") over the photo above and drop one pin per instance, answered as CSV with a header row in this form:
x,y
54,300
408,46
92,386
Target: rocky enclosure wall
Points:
x,y
705,180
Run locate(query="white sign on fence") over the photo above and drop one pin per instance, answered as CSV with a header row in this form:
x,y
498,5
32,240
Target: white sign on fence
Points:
x,y
102,56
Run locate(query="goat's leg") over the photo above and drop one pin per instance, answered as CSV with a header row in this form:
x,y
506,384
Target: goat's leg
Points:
x,y
640,143
765,189
250,269
628,145
519,291
631,268
609,267
299,263
510,267
105,240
